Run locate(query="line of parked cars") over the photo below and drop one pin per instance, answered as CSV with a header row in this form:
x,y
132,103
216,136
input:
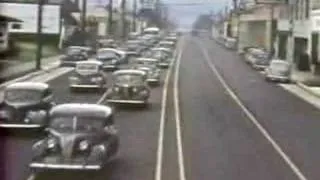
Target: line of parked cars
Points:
x,y
274,69
83,136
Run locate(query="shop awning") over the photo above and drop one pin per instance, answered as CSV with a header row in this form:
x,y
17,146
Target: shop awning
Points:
x,y
8,19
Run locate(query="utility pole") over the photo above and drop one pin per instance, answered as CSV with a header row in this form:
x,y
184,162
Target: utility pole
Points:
x,y
134,19
110,14
39,35
123,19
83,15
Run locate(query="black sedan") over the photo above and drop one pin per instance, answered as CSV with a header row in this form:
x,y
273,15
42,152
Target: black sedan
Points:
x,y
80,137
129,87
26,105
111,58
74,54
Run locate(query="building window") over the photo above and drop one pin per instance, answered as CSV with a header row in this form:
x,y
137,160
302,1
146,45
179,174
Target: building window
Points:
x,y
16,26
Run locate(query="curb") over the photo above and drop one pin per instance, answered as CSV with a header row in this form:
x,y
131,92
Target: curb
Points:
x,y
30,75
305,88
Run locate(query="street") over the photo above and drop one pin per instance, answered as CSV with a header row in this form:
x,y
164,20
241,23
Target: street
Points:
x,y
212,118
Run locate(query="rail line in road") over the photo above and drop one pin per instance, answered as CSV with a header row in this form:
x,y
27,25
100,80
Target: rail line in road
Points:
x,y
252,118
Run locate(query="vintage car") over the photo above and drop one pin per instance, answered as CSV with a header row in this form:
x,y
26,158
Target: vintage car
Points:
x,y
171,38
26,105
168,52
110,58
107,43
278,70
129,87
72,55
167,44
133,47
164,57
88,74
150,66
79,137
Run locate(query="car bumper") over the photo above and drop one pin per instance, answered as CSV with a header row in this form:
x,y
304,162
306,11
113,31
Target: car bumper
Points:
x,y
120,101
153,80
259,67
110,67
89,86
64,166
26,126
278,78
164,64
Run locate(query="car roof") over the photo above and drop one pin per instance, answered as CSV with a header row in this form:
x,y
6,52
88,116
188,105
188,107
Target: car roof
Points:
x,y
95,62
166,42
147,59
129,71
80,47
29,85
75,109
161,49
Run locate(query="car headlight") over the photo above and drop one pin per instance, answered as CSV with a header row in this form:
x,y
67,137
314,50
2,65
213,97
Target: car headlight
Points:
x,y
4,114
135,90
114,61
51,143
116,89
83,145
96,79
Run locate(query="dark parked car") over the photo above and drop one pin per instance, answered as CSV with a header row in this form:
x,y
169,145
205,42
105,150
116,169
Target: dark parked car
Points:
x,y
129,87
26,105
79,137
88,74
278,70
111,58
74,54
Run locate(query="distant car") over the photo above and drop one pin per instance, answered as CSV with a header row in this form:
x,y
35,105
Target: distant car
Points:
x,y
231,43
150,67
88,74
172,38
107,43
133,47
260,61
72,55
164,57
110,58
79,137
129,87
278,70
26,105
166,44
167,51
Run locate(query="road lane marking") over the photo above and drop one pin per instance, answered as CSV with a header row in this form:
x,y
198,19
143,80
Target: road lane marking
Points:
x,y
251,117
32,177
182,175
158,173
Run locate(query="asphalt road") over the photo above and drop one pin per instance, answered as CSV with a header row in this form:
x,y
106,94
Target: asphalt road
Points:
x,y
219,139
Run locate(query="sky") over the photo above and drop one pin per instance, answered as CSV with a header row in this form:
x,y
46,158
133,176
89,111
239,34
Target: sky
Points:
x,y
184,15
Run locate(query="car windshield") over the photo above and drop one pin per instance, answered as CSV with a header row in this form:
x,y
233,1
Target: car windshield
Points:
x,y
279,66
76,124
87,67
22,95
130,79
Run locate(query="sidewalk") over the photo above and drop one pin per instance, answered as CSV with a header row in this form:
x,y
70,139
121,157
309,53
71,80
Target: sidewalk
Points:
x,y
14,69
307,81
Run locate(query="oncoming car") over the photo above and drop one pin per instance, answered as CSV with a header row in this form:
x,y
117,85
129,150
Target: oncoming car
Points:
x,y
167,44
149,65
109,57
74,54
129,87
88,74
79,137
26,105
